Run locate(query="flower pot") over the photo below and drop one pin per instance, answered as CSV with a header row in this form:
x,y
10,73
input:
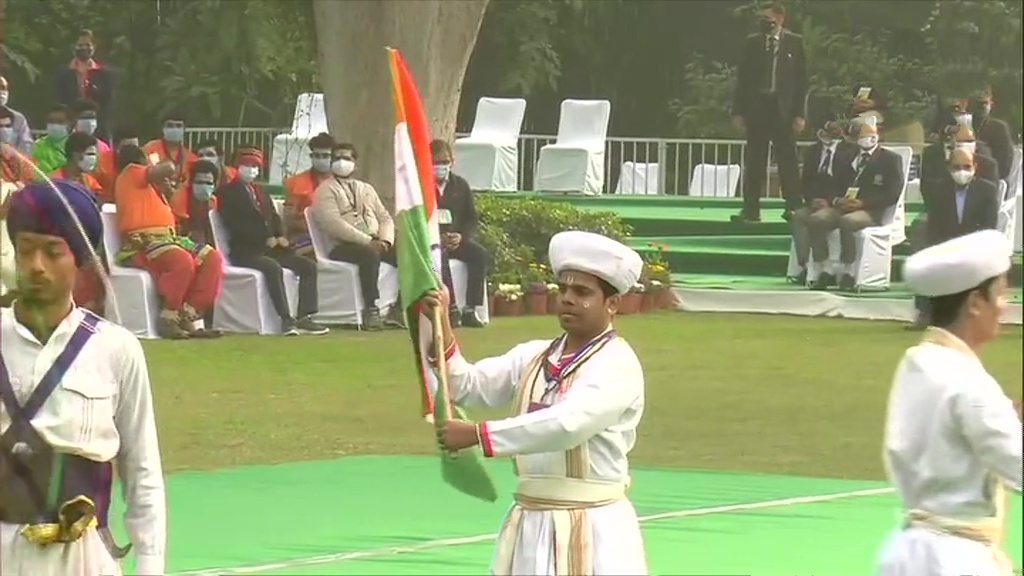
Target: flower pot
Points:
x,y
665,299
648,302
493,305
630,303
537,304
552,303
508,307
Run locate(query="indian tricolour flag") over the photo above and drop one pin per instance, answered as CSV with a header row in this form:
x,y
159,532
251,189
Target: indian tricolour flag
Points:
x,y
419,264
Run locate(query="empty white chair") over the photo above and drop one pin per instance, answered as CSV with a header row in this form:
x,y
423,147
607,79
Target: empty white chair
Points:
x,y
244,304
134,295
638,178
715,180
575,162
489,157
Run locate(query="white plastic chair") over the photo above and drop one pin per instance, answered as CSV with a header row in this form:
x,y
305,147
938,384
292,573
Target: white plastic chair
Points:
x,y
134,290
341,299
244,305
638,178
489,157
1013,179
1008,213
575,162
714,180
873,266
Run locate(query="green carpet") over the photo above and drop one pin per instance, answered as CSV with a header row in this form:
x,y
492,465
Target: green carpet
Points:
x,y
384,516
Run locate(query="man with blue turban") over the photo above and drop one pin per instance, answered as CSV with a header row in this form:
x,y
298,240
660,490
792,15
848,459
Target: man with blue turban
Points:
x,y
57,455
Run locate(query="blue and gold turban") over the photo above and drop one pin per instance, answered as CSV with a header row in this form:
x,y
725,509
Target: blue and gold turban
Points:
x,y
37,208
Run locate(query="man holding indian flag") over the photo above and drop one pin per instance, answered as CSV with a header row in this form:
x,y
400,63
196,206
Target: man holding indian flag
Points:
x,y
577,400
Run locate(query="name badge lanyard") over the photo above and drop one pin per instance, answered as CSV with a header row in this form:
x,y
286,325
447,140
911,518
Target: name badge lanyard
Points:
x,y
555,374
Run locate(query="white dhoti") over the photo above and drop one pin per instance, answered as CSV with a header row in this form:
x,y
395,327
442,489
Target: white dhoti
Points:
x,y
570,527
87,556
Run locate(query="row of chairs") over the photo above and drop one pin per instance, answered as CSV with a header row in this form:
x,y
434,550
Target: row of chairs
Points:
x,y
244,305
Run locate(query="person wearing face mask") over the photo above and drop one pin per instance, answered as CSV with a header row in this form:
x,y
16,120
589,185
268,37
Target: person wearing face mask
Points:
x,y
48,152
300,188
826,168
958,205
17,168
22,132
992,131
349,214
458,222
87,78
935,157
769,105
84,115
256,239
211,151
82,155
872,185
170,147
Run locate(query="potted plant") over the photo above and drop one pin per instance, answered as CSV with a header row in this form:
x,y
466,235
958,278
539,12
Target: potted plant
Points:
x,y
508,300
552,297
632,300
657,278
535,288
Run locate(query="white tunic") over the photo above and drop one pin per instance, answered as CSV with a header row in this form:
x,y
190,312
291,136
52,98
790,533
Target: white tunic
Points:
x,y
599,414
950,431
105,396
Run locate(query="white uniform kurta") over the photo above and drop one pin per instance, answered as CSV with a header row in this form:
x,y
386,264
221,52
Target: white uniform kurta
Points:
x,y
950,433
585,435
105,396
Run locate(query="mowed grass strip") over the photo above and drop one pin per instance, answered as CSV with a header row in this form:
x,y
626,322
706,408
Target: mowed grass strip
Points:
x,y
724,391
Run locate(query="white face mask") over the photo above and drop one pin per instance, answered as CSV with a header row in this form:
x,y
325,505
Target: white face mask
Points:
x,y
88,162
963,119
210,157
321,165
343,167
248,173
867,142
4,95
962,177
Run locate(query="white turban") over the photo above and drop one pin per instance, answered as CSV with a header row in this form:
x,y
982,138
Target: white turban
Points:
x,y
959,264
609,260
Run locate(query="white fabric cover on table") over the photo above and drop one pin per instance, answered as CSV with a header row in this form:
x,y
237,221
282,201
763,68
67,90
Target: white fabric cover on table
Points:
x,y
575,162
714,180
489,157
244,305
638,178
133,301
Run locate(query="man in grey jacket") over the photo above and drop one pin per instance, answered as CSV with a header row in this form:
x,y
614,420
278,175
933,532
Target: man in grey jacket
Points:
x,y
349,213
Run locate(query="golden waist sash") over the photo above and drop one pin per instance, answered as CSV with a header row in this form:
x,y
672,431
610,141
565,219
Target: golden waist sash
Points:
x,y
568,500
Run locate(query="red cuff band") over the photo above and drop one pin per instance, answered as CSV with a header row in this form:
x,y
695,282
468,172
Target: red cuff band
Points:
x,y
451,351
485,439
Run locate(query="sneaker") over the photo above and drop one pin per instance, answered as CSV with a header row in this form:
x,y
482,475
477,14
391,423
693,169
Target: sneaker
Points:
x,y
308,326
395,318
847,283
824,281
170,329
371,319
470,319
288,328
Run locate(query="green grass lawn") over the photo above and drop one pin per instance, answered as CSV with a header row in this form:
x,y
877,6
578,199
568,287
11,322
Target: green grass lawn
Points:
x,y
731,392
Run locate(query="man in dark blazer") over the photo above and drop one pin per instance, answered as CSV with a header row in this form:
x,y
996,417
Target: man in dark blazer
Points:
x,y
256,239
458,222
827,168
872,187
960,204
768,103
993,132
86,78
935,157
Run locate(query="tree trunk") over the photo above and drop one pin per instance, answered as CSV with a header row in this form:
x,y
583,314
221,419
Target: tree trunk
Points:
x,y
436,38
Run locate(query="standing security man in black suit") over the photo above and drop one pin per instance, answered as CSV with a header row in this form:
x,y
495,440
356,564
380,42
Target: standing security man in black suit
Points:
x,y
769,102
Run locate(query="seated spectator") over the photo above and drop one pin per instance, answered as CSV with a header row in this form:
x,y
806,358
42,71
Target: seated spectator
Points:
x,y
22,131
170,147
17,167
210,151
992,131
84,115
348,212
458,222
82,155
256,240
48,152
873,186
299,189
826,171
868,102
935,157
188,276
193,202
959,205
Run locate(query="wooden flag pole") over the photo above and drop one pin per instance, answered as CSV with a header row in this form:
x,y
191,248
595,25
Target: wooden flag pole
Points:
x,y
443,391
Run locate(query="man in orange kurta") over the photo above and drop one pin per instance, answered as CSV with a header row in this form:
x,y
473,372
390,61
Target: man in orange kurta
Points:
x,y
299,190
16,167
170,147
188,276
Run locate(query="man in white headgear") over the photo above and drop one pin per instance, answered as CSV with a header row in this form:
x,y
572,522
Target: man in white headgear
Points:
x,y
952,437
577,401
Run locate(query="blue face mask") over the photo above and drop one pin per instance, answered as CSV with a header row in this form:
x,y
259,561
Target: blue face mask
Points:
x,y
202,191
7,135
321,165
174,135
87,125
57,131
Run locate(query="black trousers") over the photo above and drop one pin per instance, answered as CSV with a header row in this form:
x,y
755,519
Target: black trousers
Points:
x,y
766,126
272,265
475,257
368,261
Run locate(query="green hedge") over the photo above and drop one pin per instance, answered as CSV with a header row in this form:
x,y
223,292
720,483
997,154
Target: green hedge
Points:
x,y
516,233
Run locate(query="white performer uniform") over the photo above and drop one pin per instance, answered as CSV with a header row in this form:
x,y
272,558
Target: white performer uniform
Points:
x,y
100,410
570,445
952,437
